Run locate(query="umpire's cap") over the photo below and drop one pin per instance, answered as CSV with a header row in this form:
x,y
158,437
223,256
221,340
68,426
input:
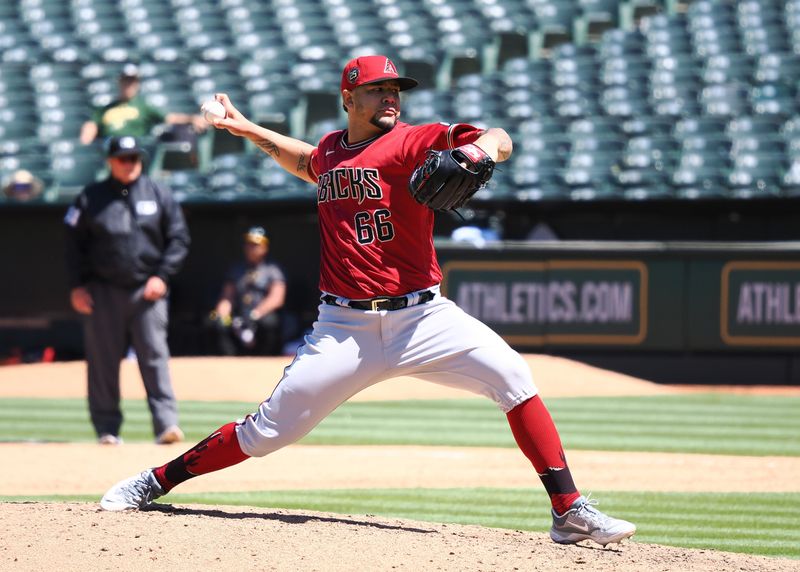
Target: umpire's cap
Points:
x,y
373,69
256,235
124,145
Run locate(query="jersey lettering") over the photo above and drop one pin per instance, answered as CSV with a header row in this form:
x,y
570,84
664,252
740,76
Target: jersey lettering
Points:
x,y
323,187
372,185
338,191
355,180
349,183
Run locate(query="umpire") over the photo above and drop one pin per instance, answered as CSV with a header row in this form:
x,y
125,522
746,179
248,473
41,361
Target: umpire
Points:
x,y
126,237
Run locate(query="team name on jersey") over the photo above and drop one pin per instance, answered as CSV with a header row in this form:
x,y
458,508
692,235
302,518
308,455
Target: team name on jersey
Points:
x,y
349,183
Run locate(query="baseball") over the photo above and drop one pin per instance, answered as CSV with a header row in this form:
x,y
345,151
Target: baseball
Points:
x,y
212,109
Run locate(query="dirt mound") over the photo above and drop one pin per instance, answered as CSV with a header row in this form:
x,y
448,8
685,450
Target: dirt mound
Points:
x,y
92,469
74,536
252,379
79,537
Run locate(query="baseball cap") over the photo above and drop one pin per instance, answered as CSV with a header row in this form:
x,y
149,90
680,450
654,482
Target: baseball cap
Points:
x,y
23,184
123,145
256,235
372,69
129,71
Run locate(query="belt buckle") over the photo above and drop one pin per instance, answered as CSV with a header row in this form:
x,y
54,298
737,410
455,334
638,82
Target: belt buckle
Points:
x,y
375,301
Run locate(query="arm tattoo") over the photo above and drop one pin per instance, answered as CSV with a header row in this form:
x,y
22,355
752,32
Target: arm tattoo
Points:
x,y
268,147
301,163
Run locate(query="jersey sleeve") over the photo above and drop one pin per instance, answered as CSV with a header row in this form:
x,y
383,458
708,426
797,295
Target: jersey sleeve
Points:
x,y
313,165
438,136
154,115
76,242
97,115
276,273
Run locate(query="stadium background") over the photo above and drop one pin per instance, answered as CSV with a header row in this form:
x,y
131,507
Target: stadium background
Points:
x,y
663,126
628,132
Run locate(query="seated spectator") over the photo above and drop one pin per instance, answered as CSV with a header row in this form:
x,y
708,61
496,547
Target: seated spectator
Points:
x,y
247,316
130,114
23,186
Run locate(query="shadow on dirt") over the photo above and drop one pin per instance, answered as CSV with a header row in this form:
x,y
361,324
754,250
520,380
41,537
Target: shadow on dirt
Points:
x,y
286,518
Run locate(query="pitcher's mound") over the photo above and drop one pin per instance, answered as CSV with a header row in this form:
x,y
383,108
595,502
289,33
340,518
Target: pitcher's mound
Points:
x,y
79,536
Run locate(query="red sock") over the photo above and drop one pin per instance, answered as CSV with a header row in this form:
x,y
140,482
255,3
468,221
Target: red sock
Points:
x,y
217,451
537,437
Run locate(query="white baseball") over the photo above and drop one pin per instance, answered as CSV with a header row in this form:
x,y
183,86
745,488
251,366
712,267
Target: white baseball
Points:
x,y
212,109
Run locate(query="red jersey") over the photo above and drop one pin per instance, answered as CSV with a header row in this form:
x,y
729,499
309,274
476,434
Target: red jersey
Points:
x,y
376,240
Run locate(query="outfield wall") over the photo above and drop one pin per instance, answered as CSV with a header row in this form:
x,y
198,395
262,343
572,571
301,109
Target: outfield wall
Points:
x,y
694,312
672,312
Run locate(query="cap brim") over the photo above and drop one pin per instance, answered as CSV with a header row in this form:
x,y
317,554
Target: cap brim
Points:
x,y
405,82
128,153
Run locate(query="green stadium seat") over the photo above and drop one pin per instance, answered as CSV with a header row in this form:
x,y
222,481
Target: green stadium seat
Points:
x,y
73,172
696,169
625,116
755,175
596,191
646,161
532,169
18,129
573,66
652,191
555,25
760,125
757,40
727,68
709,190
645,125
625,101
724,100
427,105
631,12
574,102
186,185
623,70
776,67
666,35
596,17
773,99
621,42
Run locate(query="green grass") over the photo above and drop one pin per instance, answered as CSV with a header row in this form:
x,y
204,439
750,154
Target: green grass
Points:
x,y
702,423
765,524
752,523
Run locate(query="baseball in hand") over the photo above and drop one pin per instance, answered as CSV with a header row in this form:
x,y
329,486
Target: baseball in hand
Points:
x,y
212,109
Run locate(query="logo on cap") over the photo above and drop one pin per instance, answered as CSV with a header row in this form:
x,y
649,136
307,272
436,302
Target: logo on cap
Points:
x,y
353,75
127,143
389,67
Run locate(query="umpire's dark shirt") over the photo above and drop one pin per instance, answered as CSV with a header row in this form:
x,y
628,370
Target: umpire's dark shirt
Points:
x,y
123,234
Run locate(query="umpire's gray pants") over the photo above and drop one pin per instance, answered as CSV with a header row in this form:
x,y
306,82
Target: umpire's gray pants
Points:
x,y
121,317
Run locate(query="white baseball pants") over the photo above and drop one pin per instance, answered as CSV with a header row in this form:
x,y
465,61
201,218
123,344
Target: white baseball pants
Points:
x,y
350,350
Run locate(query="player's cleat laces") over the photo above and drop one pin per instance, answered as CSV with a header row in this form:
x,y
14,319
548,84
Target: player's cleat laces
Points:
x,y
132,493
583,521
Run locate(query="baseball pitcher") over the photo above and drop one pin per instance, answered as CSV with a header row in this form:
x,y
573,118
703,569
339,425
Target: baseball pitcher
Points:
x,y
381,314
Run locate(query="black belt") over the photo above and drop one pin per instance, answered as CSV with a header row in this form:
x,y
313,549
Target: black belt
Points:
x,y
384,303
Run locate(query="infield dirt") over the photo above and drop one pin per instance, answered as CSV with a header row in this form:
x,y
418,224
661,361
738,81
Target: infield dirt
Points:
x,y
77,536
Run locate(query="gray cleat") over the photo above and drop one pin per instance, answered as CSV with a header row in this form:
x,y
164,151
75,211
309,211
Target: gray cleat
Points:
x,y
133,493
582,521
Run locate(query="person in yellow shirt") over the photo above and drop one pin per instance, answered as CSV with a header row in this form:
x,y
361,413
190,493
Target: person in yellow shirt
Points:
x,y
130,114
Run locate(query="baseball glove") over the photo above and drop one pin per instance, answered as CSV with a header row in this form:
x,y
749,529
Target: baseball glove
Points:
x,y
446,180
